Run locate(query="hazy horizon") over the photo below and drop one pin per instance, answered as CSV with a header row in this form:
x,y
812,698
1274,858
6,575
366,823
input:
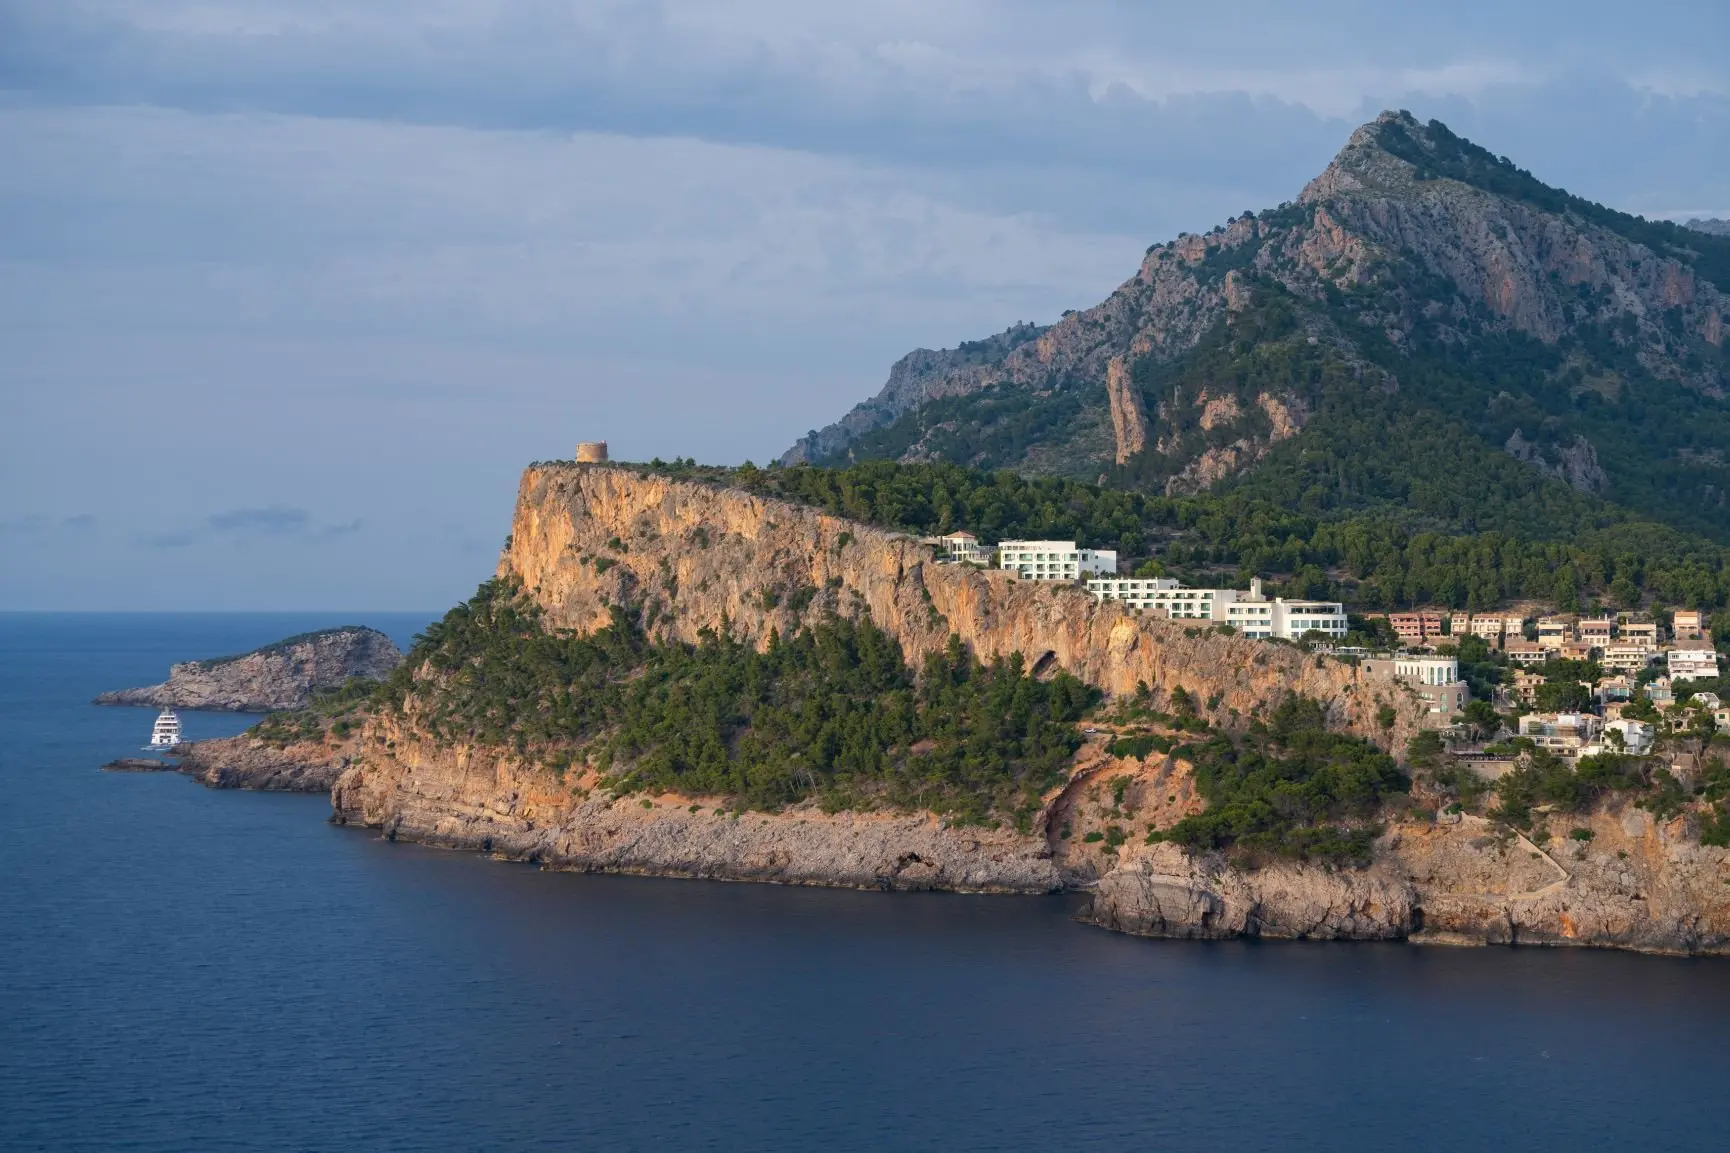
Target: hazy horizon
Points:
x,y
294,291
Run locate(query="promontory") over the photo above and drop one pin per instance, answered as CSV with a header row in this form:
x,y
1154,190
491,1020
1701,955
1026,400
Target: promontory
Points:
x,y
283,675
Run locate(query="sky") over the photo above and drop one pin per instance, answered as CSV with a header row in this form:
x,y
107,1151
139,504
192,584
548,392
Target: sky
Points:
x,y
291,291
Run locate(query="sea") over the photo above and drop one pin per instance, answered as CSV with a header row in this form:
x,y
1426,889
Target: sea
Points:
x,y
188,969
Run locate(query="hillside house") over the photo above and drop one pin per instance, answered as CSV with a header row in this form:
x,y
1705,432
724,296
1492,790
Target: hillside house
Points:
x,y
1688,625
1525,684
1598,632
1624,735
1554,632
1490,628
1611,690
1164,595
964,546
1641,634
1417,627
1623,657
1054,560
1565,734
1435,679
1527,653
1691,664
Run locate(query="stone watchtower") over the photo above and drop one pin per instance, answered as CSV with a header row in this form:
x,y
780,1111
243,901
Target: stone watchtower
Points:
x,y
592,452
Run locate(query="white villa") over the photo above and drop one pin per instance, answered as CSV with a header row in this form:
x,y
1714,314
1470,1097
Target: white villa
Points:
x,y
1692,664
1634,737
1426,670
1565,734
1053,560
964,546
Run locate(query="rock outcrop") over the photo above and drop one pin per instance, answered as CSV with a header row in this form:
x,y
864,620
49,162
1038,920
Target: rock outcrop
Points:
x,y
1625,880
246,763
1128,414
283,675
1575,463
922,375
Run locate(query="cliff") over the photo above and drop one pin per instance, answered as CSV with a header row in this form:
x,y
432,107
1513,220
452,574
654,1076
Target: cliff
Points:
x,y
698,557
1636,883
283,675
469,798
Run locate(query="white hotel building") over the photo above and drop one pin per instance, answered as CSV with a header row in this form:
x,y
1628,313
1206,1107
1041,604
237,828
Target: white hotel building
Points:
x,y
1053,560
1250,613
1691,664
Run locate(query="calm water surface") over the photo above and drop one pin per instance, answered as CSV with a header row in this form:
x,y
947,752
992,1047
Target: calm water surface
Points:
x,y
182,968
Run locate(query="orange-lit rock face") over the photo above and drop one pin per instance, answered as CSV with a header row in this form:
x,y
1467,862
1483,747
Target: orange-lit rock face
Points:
x,y
704,558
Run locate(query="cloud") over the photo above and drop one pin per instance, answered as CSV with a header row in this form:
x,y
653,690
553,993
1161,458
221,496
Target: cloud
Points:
x,y
247,524
37,525
1109,85
273,521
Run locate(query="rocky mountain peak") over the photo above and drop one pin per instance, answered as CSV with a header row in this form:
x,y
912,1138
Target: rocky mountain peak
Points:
x,y
1415,254
1366,161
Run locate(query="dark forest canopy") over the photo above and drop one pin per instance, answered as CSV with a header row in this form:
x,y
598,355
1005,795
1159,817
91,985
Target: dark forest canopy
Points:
x,y
1374,558
831,711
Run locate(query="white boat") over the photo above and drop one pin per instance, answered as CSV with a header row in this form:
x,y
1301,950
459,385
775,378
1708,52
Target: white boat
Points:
x,y
165,734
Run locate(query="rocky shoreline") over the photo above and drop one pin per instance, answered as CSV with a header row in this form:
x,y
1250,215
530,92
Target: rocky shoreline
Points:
x,y
1638,884
245,763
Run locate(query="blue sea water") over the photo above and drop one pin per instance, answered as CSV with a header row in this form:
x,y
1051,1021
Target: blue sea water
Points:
x,y
188,969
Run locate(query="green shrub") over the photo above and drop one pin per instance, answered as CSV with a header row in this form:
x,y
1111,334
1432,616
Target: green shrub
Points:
x,y
1289,787
831,710
1138,747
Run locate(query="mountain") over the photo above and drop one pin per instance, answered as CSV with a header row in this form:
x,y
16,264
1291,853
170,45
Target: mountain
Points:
x,y
1711,225
283,675
1427,328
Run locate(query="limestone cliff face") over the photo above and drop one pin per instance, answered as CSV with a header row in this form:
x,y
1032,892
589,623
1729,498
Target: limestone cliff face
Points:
x,y
1636,884
1128,414
244,762
485,799
279,676
703,558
